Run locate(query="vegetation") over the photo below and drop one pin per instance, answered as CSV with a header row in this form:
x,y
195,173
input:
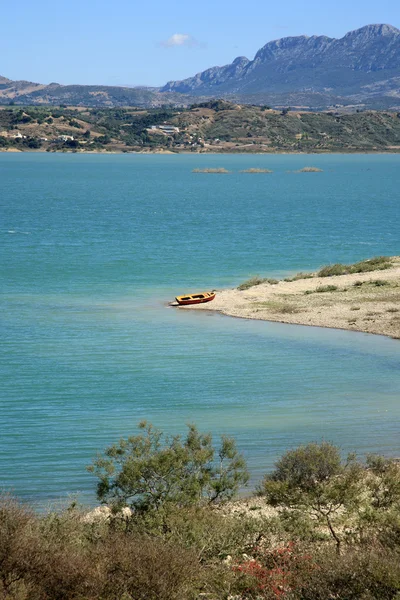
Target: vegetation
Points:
x,y
254,170
216,126
335,534
218,170
150,471
309,170
326,288
378,263
256,280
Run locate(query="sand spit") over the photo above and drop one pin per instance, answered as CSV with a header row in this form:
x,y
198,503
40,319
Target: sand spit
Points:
x,y
368,302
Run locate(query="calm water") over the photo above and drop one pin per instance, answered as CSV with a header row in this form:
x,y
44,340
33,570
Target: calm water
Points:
x,y
92,249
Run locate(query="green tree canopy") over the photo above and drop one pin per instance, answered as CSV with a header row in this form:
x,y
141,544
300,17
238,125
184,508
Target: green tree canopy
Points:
x,y
151,470
313,480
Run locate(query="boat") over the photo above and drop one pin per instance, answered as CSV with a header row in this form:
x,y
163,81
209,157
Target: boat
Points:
x,y
195,298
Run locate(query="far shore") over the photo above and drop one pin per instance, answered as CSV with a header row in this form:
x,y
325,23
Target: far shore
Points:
x,y
368,302
270,152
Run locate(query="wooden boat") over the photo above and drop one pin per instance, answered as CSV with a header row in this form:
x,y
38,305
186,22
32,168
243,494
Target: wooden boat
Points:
x,y
195,298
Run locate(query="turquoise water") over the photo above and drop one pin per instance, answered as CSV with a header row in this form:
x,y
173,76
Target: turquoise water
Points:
x,y
92,250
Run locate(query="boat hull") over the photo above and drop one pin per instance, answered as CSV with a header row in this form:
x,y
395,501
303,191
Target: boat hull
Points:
x,y
195,298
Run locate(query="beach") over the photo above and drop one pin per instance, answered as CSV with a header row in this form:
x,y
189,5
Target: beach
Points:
x,y
367,302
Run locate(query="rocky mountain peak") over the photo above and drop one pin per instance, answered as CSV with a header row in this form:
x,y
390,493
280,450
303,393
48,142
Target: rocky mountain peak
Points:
x,y
311,64
374,30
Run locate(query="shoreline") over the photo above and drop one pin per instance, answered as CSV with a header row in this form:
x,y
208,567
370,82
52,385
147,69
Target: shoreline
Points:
x,y
272,152
366,302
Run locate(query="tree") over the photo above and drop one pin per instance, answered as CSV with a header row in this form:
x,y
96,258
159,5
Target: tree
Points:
x,y
312,480
150,470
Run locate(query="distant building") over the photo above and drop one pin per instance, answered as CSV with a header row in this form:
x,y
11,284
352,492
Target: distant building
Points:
x,y
166,128
65,138
18,136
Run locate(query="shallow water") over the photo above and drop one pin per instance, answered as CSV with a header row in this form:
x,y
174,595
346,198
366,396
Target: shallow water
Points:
x,y
92,250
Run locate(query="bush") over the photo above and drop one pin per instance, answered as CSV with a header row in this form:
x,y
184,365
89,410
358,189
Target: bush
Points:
x,y
326,288
256,280
274,574
378,263
332,270
313,480
299,276
148,569
359,574
380,282
151,471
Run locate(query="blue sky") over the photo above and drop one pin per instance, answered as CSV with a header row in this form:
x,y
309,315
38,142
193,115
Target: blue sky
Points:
x,y
126,42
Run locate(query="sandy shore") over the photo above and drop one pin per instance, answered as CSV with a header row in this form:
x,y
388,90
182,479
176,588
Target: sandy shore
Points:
x,y
368,302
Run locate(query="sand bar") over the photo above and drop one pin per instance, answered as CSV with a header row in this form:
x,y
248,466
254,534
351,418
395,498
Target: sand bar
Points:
x,y
368,302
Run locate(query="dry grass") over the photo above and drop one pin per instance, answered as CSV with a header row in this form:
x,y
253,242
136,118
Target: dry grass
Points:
x,y
283,308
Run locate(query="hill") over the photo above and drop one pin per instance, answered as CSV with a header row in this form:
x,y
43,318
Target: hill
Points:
x,y
54,94
361,67
214,126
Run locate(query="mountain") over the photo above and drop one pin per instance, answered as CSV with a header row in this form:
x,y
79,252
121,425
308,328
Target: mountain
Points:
x,y
29,93
360,66
361,69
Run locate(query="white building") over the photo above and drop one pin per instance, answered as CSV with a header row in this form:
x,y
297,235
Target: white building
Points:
x,y
166,128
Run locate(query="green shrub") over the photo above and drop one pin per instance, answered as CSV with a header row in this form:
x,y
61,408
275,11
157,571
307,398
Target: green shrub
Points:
x,y
332,270
326,288
151,471
378,263
256,280
313,481
380,282
299,276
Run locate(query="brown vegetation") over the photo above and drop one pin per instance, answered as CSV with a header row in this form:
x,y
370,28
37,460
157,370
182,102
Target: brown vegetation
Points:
x,y
335,534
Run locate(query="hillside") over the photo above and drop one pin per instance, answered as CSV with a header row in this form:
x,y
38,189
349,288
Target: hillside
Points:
x,y
54,94
361,67
216,126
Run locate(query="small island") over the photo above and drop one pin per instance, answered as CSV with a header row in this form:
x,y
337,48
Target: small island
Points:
x,y
253,170
309,170
219,170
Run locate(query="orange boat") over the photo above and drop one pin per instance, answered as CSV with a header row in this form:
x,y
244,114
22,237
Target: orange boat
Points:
x,y
195,298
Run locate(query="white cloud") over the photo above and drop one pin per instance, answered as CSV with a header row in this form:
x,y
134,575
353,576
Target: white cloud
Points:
x,y
179,39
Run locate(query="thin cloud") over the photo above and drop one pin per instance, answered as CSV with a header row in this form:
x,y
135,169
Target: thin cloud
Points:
x,y
179,39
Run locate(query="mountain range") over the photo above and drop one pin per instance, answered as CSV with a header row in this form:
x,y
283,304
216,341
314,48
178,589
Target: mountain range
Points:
x,y
362,69
358,67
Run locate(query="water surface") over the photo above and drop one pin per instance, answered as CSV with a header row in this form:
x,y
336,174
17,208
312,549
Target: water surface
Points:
x,y
92,249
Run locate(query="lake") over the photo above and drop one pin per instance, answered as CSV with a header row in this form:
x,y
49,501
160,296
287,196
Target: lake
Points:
x,y
93,247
